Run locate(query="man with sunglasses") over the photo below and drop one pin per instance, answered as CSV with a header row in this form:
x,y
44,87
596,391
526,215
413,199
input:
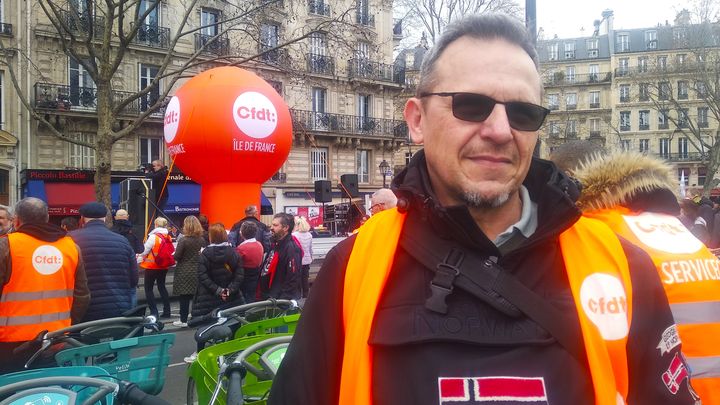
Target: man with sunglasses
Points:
x,y
485,285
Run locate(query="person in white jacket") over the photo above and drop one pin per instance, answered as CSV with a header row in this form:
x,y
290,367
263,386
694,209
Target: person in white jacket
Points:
x,y
303,235
153,271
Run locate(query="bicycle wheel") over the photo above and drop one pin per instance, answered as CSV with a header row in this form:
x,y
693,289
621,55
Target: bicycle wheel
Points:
x,y
190,395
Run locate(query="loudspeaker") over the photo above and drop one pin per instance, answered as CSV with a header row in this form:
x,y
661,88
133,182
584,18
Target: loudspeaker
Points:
x,y
133,193
323,191
349,185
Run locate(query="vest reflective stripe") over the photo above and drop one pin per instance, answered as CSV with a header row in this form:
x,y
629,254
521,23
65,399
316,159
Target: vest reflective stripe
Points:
x,y
690,276
42,270
704,367
149,261
31,296
374,250
696,312
33,319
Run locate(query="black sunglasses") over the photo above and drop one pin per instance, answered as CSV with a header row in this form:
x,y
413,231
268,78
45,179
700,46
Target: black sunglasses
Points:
x,y
478,107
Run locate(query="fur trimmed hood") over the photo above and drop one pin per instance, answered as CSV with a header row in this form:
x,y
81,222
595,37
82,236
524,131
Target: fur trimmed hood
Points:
x,y
626,178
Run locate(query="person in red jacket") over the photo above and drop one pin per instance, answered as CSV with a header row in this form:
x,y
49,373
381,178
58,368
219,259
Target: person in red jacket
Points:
x,y
251,252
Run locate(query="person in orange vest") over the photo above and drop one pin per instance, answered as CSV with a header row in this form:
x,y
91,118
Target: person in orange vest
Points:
x,y
43,285
155,272
631,192
485,284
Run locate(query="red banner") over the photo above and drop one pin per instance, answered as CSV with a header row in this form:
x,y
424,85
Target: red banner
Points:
x,y
313,214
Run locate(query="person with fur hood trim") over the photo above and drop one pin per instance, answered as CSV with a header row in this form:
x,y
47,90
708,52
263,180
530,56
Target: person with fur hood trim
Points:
x,y
632,193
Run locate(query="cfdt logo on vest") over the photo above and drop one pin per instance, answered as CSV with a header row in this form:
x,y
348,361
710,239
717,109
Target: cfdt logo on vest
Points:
x,y
172,119
255,115
605,303
47,259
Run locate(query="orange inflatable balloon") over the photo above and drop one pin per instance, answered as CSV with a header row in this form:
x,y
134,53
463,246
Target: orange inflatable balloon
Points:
x,y
230,131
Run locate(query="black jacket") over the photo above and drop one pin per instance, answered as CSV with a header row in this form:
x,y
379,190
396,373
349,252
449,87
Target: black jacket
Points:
x,y
262,234
280,277
219,267
111,270
158,181
414,347
125,228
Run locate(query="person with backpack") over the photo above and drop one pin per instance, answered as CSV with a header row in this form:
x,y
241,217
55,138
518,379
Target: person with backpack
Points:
x,y
156,259
263,232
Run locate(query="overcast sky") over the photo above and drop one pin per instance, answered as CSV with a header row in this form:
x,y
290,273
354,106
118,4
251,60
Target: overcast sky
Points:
x,y
566,18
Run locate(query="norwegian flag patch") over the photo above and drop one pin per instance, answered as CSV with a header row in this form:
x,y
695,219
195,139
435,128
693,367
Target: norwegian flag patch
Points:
x,y
675,374
492,390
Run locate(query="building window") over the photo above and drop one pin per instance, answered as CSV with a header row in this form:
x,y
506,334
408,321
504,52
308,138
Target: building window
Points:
x,y
571,101
571,129
662,63
702,175
644,92
702,117
650,39
553,101
363,162
554,128
319,163
624,120
592,47
663,119
683,174
82,157
623,66
594,127
594,99
623,43
569,50
322,120
624,93
363,12
364,107
570,74
408,157
644,146
682,90
682,148
269,39
2,97
680,36
147,75
701,89
209,19
553,51
150,149
682,121
681,58
642,64
625,144
594,73
665,148
665,91
644,121
82,87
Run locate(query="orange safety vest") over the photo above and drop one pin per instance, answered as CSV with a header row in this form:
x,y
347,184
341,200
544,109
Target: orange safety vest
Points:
x,y
690,274
599,279
149,262
39,295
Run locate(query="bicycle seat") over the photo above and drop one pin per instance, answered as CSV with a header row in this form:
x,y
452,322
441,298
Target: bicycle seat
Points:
x,y
215,333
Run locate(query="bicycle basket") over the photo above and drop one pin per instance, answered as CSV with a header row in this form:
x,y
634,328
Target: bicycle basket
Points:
x,y
80,371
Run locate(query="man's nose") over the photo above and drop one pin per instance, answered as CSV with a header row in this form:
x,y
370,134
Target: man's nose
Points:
x,y
496,126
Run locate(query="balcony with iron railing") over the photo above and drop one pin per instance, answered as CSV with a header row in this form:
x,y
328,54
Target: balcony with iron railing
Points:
x,y
560,78
362,68
365,18
318,7
6,29
83,22
64,98
321,122
594,105
275,57
278,177
219,46
683,156
662,69
595,134
152,36
320,64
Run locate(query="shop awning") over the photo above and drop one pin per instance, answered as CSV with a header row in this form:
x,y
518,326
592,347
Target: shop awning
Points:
x,y
184,198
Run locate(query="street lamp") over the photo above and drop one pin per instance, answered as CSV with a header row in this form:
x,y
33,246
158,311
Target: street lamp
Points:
x,y
385,170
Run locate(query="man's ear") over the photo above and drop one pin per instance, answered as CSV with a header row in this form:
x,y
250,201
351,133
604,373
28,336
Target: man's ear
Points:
x,y
413,116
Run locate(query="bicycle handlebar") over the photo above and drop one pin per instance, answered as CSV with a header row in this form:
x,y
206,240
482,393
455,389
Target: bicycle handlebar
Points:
x,y
224,313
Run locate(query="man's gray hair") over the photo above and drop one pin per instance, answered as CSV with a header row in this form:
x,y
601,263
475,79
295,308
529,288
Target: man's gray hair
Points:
x,y
479,26
31,210
385,197
7,209
251,211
